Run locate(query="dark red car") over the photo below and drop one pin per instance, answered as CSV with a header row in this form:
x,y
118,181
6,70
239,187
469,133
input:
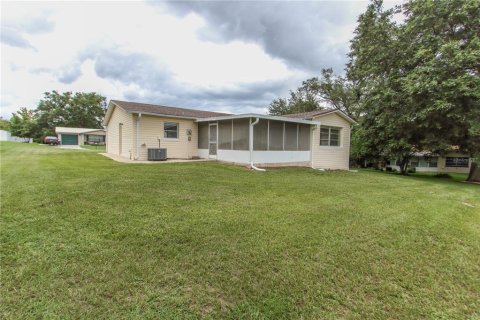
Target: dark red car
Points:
x,y
53,141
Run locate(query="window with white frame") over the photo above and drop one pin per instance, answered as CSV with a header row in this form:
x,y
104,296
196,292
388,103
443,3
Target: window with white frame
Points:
x,y
170,130
458,162
330,136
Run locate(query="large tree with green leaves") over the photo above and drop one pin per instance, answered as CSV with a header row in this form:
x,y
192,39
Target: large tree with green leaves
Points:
x,y
4,124
419,79
23,124
83,110
328,90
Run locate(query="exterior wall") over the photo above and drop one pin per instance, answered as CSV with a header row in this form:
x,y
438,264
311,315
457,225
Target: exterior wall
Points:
x,y
262,158
151,129
120,116
441,165
443,168
325,157
81,139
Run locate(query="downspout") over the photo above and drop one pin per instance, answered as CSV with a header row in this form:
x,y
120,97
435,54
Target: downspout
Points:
x,y
138,137
252,166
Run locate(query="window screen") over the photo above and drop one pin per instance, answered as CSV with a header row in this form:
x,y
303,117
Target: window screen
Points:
x,y
276,135
240,134
334,137
303,137
330,136
260,134
202,135
170,130
456,162
225,135
290,136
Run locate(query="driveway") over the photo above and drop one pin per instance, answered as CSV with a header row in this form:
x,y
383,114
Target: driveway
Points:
x,y
73,147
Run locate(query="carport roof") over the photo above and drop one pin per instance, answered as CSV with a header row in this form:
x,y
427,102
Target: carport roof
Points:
x,y
75,130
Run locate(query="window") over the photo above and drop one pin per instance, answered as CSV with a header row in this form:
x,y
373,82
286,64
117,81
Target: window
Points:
x,y
427,162
203,135
456,162
170,130
330,136
97,139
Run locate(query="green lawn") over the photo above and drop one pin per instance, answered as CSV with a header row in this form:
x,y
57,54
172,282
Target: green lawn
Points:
x,y
85,237
94,147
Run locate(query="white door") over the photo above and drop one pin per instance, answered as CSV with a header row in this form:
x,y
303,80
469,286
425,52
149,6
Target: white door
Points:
x,y
212,141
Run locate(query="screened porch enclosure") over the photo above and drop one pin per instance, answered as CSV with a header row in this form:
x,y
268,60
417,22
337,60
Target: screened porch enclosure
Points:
x,y
273,141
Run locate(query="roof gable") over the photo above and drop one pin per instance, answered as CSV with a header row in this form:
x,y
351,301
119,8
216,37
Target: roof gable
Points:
x,y
320,113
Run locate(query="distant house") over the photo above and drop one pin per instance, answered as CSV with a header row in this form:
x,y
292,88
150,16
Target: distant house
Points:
x,y
80,136
449,163
7,136
319,139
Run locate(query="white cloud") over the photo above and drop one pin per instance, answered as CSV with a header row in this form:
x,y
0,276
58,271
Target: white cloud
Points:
x,y
140,51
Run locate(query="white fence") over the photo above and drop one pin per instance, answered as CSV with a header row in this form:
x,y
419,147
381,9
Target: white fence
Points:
x,y
6,136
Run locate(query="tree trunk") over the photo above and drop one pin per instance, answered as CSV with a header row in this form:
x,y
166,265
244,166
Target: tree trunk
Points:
x,y
474,175
403,166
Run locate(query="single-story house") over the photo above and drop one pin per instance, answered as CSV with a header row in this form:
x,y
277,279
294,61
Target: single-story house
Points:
x,y
449,163
80,136
318,139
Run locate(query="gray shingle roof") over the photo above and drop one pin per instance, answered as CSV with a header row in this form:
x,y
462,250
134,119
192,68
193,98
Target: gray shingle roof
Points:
x,y
135,107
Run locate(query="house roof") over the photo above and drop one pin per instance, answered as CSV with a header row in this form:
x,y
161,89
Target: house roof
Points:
x,y
75,130
318,113
160,110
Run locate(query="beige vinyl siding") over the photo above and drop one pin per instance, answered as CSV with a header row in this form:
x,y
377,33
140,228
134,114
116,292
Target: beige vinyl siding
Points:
x,y
120,116
151,128
326,157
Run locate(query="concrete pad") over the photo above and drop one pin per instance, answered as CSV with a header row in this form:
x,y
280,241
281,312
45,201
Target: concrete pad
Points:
x,y
117,158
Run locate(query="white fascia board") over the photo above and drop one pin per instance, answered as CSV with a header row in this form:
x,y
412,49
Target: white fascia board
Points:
x,y
261,116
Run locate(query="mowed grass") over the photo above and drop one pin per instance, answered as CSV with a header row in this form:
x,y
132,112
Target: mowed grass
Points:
x,y
98,148
85,237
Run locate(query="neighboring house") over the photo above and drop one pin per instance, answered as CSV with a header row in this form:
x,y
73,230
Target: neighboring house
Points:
x,y
319,139
80,136
7,136
451,162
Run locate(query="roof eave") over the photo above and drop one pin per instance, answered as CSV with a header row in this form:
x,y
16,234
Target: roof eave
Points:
x,y
261,116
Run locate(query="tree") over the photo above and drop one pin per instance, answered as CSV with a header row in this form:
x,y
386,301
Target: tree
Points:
x,y
23,124
84,110
418,80
315,93
4,124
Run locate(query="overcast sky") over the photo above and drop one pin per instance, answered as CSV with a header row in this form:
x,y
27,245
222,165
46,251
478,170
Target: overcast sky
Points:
x,y
220,56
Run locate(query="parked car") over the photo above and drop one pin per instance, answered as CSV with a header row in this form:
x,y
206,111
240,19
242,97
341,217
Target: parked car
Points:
x,y
51,140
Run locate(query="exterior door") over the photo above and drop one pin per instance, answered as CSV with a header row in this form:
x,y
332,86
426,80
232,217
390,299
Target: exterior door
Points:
x,y
212,141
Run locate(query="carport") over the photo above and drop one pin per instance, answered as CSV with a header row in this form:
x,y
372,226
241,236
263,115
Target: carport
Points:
x,y
80,136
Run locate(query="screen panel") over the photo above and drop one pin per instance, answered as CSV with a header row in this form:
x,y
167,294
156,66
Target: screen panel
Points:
x,y
225,135
260,134
240,134
203,135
